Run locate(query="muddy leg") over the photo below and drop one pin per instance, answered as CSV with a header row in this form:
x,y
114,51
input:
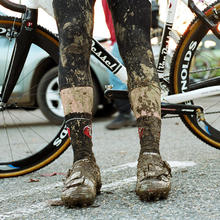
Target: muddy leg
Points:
x,y
75,25
132,20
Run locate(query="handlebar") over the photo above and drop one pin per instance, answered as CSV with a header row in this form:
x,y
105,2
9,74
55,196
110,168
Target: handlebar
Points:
x,y
13,6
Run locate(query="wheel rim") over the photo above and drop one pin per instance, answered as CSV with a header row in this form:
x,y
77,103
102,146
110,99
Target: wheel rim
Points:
x,y
198,64
53,99
205,65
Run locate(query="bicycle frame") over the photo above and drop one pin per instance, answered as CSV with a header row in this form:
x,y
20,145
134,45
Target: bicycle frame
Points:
x,y
209,89
120,70
20,52
102,55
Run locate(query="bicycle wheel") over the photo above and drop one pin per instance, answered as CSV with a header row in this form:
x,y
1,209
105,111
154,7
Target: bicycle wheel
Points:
x,y
194,64
28,141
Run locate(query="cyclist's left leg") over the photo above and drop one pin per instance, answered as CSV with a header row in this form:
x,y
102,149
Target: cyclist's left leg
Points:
x,y
132,21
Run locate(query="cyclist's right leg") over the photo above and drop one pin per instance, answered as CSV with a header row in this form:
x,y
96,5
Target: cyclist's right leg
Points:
x,y
75,25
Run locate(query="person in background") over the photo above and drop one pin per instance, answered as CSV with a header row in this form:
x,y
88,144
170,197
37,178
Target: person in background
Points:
x,y
132,22
125,117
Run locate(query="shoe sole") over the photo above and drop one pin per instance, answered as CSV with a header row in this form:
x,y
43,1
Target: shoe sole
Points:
x,y
153,195
78,200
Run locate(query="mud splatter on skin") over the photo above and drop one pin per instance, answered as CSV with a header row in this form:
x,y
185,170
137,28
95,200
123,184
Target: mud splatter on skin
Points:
x,y
146,101
77,99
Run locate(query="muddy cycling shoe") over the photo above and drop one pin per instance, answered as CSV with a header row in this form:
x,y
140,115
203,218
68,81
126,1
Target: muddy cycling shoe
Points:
x,y
122,120
153,177
82,184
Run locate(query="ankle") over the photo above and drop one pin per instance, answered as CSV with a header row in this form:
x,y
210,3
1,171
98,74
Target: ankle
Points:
x,y
149,128
83,156
79,126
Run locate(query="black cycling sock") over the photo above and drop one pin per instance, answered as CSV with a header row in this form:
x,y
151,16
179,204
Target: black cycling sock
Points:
x,y
79,126
149,128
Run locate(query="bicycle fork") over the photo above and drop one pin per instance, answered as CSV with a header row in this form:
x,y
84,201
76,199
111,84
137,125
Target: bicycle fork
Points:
x,y
20,52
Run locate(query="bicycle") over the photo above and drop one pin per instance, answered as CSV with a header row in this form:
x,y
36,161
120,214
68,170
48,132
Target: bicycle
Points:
x,y
183,94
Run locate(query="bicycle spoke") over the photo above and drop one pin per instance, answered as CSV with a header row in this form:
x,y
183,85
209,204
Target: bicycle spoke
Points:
x,y
204,70
32,130
21,134
7,135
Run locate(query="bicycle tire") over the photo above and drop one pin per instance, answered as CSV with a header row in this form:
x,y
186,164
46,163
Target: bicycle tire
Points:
x,y
12,165
188,69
